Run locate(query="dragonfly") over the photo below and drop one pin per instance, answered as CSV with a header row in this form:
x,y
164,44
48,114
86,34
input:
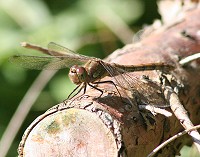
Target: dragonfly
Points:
x,y
91,73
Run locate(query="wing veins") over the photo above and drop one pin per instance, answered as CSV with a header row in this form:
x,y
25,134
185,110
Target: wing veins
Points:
x,y
46,62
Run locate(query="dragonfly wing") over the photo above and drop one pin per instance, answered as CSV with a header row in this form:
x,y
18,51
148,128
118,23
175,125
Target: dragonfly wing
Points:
x,y
44,62
61,58
56,50
145,90
118,75
120,80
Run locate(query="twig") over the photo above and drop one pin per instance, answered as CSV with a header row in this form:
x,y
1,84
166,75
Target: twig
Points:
x,y
189,59
155,110
35,47
172,139
181,114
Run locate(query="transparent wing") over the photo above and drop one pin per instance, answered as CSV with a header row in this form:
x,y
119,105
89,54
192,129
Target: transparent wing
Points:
x,y
145,91
121,77
61,57
45,62
56,50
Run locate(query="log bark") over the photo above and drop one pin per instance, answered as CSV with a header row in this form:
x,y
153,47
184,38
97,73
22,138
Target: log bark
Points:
x,y
108,126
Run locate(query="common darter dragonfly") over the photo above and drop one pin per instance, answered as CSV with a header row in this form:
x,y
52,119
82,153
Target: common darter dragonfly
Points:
x,y
89,74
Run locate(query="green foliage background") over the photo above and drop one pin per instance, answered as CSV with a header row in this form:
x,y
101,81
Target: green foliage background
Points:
x,y
75,24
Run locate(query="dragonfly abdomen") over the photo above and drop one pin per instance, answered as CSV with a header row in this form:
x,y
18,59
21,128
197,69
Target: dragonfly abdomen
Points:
x,y
144,67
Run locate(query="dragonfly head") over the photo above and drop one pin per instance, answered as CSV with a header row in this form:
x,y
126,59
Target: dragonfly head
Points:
x,y
78,74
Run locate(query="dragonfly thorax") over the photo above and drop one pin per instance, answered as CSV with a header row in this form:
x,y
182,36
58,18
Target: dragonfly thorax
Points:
x,y
95,70
78,74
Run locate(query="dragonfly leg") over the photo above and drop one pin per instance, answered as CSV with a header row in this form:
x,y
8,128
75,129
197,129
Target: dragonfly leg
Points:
x,y
96,89
111,82
74,91
85,86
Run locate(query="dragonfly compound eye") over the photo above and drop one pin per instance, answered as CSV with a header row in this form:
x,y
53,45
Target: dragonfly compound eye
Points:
x,y
73,69
73,75
81,73
77,74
